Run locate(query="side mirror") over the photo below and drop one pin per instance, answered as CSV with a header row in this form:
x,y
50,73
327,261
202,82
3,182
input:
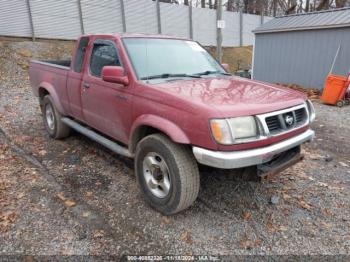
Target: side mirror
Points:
x,y
114,74
226,67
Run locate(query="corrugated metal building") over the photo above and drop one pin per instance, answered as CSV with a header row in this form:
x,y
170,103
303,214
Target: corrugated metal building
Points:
x,y
301,48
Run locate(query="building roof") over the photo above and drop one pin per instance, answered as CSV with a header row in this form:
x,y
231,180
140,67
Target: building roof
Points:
x,y
307,21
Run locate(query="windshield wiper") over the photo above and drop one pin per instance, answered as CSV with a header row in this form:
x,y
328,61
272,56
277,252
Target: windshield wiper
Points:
x,y
167,75
208,72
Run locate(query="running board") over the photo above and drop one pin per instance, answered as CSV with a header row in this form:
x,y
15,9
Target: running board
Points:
x,y
97,137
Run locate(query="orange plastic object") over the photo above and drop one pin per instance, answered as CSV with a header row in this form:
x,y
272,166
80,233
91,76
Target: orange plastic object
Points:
x,y
334,89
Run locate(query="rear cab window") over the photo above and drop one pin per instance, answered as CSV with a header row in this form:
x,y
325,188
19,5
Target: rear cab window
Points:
x,y
104,53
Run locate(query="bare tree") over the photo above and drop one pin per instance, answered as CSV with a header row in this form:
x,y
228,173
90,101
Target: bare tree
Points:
x,y
230,5
307,6
323,5
341,3
267,7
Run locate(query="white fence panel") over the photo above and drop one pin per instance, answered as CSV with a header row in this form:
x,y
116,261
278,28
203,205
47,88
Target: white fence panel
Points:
x,y
204,26
60,19
56,19
175,20
141,16
14,18
250,22
102,17
230,33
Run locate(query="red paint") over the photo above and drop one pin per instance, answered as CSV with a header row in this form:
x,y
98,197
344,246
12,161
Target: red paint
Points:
x,y
181,109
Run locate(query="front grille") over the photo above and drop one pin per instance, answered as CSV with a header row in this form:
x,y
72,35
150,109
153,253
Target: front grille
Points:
x,y
300,115
273,124
286,120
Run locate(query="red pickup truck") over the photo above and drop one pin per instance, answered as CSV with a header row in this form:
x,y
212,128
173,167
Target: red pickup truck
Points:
x,y
167,103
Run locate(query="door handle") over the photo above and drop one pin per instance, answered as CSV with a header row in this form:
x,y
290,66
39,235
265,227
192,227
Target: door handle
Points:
x,y
86,85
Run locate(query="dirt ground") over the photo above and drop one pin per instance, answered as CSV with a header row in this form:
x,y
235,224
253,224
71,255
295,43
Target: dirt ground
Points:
x,y
238,58
73,197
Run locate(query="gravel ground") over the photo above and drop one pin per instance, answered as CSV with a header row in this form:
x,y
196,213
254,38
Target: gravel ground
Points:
x,y
75,197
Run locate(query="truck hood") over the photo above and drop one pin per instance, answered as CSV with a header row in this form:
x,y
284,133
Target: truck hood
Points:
x,y
233,96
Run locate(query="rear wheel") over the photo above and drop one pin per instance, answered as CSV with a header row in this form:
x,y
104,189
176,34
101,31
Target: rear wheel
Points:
x,y
167,174
52,119
347,101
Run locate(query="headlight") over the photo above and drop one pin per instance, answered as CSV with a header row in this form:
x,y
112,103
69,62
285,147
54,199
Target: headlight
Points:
x,y
243,127
226,131
311,109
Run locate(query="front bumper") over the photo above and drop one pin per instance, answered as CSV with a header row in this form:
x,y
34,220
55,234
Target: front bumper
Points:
x,y
251,157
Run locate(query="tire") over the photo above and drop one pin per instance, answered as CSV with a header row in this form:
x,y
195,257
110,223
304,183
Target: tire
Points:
x,y
347,101
52,119
340,103
171,183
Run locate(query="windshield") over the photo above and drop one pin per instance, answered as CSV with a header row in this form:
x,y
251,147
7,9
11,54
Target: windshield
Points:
x,y
163,58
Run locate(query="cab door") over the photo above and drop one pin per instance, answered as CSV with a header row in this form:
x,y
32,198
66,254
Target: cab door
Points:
x,y
75,77
106,106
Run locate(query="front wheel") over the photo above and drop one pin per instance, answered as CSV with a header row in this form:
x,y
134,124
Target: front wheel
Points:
x,y
167,174
340,103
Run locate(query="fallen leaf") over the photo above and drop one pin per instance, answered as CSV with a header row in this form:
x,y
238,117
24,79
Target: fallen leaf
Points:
x,y
247,215
315,156
303,176
305,205
88,194
282,228
286,196
326,225
327,212
249,244
99,233
61,196
86,214
70,203
166,220
322,184
7,218
42,152
186,237
20,195
343,164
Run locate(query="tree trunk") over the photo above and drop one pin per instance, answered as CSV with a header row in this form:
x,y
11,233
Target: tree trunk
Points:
x,y
185,2
340,3
211,4
307,6
324,5
274,8
203,3
245,6
230,5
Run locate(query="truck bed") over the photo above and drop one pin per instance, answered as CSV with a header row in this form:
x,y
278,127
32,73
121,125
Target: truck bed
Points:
x,y
51,74
64,64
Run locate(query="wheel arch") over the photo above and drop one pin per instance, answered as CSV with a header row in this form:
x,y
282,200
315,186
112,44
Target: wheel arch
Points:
x,y
47,89
151,124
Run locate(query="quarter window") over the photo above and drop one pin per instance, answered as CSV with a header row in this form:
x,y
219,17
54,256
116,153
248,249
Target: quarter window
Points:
x,y
104,53
79,57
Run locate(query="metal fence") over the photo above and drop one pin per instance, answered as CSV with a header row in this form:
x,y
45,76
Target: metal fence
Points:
x,y
67,19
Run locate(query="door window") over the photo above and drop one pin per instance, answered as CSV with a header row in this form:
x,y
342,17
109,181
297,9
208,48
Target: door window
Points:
x,y
104,53
79,57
